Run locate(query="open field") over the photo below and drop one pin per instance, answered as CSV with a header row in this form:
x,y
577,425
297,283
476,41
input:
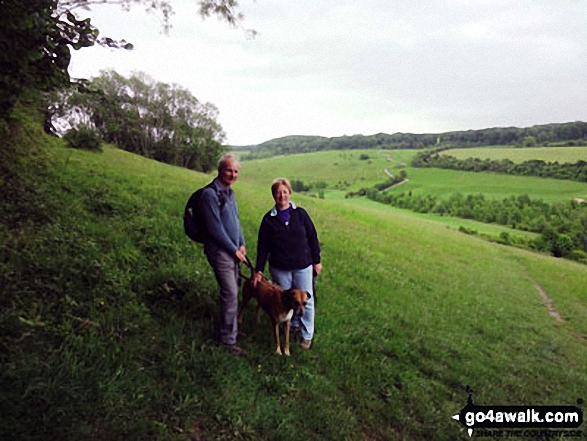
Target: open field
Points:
x,y
344,171
339,169
519,155
442,183
119,328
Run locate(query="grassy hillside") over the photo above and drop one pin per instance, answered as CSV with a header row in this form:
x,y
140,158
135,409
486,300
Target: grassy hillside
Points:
x,y
343,171
109,313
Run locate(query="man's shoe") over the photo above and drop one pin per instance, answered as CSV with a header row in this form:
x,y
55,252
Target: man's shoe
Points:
x,y
236,350
306,344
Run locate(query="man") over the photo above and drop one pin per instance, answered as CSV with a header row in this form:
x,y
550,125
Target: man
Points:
x,y
224,245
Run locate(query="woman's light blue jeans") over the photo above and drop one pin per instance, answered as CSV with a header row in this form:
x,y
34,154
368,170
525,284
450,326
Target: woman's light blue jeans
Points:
x,y
298,279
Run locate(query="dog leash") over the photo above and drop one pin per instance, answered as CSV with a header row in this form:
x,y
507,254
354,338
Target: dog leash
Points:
x,y
248,264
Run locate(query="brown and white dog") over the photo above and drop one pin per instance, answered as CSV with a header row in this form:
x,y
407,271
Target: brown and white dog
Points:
x,y
280,304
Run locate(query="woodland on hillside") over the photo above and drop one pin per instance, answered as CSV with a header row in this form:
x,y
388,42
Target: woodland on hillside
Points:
x,y
571,133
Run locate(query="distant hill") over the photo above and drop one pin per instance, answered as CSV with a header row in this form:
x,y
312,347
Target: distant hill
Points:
x,y
572,133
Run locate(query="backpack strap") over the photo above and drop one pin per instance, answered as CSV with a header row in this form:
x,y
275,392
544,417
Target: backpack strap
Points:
x,y
219,194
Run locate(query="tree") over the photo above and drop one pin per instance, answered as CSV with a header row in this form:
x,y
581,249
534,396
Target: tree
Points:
x,y
84,138
529,141
35,43
144,116
161,6
36,38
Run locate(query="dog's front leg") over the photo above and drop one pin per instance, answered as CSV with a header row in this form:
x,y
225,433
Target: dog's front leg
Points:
x,y
276,336
287,329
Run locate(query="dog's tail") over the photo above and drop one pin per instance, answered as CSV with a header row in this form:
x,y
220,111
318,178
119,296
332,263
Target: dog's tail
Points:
x,y
248,263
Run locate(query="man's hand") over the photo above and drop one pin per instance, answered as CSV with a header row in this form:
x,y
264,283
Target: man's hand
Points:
x,y
241,254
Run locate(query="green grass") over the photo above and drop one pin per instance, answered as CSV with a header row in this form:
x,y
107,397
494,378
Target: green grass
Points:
x,y
519,155
339,169
443,183
109,314
490,230
343,171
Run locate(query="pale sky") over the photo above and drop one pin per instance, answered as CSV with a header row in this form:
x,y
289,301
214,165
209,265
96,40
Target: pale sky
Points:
x,y
333,68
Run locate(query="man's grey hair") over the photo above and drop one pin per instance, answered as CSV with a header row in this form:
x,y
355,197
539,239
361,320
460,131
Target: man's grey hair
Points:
x,y
225,158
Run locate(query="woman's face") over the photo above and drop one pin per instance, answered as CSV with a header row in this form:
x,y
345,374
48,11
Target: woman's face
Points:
x,y
281,197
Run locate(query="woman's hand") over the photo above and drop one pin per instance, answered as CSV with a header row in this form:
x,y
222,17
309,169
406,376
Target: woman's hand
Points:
x,y
258,275
317,268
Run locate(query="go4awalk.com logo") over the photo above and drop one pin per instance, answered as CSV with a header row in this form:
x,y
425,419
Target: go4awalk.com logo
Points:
x,y
521,421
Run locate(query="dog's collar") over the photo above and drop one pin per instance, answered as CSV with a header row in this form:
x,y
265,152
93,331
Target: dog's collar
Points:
x,y
274,209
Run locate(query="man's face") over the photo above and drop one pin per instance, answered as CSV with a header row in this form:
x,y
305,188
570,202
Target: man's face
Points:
x,y
229,174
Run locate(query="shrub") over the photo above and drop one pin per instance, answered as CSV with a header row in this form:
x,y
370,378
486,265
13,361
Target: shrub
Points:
x,y
319,184
469,231
298,186
578,255
84,138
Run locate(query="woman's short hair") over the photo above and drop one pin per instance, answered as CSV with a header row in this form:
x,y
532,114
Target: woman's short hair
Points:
x,y
280,181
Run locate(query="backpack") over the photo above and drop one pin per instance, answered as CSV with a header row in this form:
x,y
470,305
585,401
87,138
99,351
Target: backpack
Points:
x,y
193,222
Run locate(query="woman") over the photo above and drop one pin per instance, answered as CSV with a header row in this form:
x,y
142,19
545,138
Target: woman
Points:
x,y
288,238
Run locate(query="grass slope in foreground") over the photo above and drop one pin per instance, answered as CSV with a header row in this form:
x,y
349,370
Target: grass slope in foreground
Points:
x,y
112,311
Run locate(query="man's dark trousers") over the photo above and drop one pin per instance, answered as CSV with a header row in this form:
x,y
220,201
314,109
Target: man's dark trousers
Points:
x,y
225,268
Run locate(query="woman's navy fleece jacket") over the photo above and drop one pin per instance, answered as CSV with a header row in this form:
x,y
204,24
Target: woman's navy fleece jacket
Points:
x,y
289,246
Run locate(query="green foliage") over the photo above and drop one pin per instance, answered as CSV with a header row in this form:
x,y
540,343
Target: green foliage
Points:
x,y
36,41
37,36
466,230
24,165
529,141
298,186
156,120
85,138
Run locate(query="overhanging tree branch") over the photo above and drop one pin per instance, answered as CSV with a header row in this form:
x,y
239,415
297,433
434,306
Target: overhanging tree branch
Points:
x,y
36,38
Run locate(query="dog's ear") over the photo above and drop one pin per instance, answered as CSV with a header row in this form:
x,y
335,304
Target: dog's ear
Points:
x,y
309,295
288,294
